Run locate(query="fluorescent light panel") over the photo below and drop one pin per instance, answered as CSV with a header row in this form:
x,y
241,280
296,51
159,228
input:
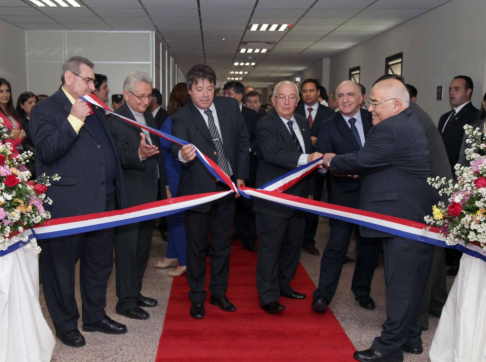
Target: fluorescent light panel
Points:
x,y
264,27
264,50
254,27
243,50
273,27
283,27
74,3
268,27
50,3
38,3
62,3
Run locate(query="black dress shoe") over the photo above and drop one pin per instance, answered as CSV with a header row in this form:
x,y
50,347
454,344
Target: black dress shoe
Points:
x,y
417,350
146,302
106,325
135,313
365,302
197,310
293,295
375,356
223,303
71,338
312,250
319,305
273,307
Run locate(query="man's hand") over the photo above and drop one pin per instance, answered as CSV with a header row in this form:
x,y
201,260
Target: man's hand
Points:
x,y
327,158
146,150
17,133
313,156
188,152
314,140
239,184
80,109
310,197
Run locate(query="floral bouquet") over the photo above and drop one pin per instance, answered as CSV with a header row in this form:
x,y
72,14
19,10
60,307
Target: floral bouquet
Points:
x,y
21,201
463,219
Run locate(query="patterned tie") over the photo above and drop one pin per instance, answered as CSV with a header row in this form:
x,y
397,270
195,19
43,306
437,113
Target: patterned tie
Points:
x,y
294,136
453,113
311,121
352,122
218,142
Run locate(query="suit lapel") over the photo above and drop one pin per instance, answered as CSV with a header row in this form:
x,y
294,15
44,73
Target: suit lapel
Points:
x,y
305,131
284,130
344,129
200,123
223,126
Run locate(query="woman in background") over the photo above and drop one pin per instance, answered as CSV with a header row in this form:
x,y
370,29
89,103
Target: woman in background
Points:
x,y
8,116
176,249
25,103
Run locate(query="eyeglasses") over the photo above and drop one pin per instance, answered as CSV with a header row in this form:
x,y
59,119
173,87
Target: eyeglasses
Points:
x,y
142,97
374,104
281,98
87,80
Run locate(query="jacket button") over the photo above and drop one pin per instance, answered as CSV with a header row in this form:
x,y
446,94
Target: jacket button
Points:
x,y
102,182
98,146
215,152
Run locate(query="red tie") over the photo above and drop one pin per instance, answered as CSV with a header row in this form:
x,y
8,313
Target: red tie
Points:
x,y
311,121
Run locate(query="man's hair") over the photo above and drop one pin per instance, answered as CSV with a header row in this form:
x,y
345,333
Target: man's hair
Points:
x,y
237,87
157,95
390,76
310,80
254,94
362,89
323,93
99,79
411,90
468,80
134,77
285,82
116,98
200,72
72,65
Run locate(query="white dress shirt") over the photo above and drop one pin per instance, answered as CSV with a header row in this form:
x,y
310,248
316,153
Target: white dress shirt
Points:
x,y
358,124
295,127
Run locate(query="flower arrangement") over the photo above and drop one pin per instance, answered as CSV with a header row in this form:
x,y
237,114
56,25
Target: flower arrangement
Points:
x,y
463,220
21,200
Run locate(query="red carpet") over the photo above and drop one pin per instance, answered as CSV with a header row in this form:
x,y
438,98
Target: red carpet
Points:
x,y
250,334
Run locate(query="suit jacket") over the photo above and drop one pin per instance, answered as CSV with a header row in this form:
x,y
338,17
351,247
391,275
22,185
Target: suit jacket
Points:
x,y
77,158
335,136
323,113
251,117
454,132
279,156
394,163
160,117
189,125
141,178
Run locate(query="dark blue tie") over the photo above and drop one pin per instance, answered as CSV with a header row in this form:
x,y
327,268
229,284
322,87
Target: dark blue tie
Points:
x,y
352,122
294,136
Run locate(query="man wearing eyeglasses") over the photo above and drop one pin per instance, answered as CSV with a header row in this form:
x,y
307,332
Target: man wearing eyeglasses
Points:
x,y
146,181
73,139
284,140
394,163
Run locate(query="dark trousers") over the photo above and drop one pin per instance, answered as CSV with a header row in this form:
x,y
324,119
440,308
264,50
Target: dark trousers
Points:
x,y
312,220
57,263
407,264
333,259
217,223
132,251
245,224
279,247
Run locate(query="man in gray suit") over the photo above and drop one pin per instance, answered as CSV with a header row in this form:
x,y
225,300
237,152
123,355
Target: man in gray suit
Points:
x,y
394,163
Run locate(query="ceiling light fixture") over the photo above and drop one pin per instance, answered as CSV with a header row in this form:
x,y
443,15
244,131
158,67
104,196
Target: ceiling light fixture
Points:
x,y
264,27
268,27
257,50
264,50
273,27
283,27
242,50
38,3
74,3
50,3
245,72
252,64
62,3
250,50
247,64
254,27
235,64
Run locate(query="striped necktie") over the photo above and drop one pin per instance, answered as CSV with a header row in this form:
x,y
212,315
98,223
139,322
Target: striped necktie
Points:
x,y
352,122
218,142
294,136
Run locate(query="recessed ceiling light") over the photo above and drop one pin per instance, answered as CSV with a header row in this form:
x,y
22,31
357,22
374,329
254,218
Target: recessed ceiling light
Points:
x,y
247,64
242,50
50,3
264,50
283,27
257,50
252,64
38,3
250,50
245,72
73,3
264,27
62,3
241,72
273,27
235,64
254,27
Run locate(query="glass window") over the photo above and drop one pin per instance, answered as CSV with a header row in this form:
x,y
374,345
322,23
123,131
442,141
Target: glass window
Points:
x,y
355,74
394,64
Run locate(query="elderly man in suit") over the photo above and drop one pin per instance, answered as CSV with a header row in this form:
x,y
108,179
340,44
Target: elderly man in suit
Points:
x,y
394,163
346,132
74,141
284,141
216,127
146,181
315,114
245,226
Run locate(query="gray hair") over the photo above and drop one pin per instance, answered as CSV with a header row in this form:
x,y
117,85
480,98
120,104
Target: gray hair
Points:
x,y
134,77
72,65
285,82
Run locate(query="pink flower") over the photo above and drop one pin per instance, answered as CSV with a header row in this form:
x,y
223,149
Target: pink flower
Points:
x,y
476,164
2,213
5,171
37,203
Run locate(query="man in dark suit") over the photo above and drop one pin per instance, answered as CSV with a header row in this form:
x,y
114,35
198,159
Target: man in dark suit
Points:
x,y
101,87
216,127
75,142
451,128
155,106
315,114
284,142
394,163
146,181
245,226
346,132
253,100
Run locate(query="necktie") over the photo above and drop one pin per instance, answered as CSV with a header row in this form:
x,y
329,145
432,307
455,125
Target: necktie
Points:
x,y
218,142
352,122
311,121
294,136
453,113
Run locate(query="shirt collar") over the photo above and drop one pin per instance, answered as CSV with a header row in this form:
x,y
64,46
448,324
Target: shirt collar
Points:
x,y
458,109
154,113
286,120
69,96
357,117
314,107
211,107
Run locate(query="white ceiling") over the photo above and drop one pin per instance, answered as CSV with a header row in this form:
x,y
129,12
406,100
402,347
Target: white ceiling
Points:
x,y
194,29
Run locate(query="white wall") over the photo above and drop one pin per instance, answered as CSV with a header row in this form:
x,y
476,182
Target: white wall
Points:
x,y
436,46
12,57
